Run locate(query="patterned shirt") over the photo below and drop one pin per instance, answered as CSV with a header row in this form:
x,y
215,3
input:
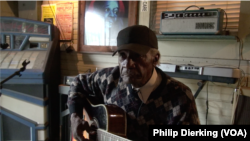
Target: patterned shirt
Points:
x,y
171,103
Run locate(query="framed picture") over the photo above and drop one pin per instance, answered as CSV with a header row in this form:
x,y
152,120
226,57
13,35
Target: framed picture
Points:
x,y
100,22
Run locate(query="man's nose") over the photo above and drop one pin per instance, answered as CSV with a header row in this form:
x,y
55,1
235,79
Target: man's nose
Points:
x,y
111,13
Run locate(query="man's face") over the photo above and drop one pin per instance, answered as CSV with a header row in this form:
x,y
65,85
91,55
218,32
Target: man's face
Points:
x,y
134,68
111,12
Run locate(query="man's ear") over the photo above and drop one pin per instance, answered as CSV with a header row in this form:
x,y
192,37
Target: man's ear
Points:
x,y
156,59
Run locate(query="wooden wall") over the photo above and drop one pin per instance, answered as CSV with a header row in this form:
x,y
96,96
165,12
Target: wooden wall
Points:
x,y
9,8
75,23
217,53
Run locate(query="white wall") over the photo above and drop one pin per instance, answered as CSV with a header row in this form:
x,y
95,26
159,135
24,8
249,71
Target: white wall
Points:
x,y
208,53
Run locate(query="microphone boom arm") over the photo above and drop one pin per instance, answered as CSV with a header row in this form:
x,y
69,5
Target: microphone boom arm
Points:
x,y
16,73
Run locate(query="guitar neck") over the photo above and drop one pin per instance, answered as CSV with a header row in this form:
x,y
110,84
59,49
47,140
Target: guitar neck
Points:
x,y
103,135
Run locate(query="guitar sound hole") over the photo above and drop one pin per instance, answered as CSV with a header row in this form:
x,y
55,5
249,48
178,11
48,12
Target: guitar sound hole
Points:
x,y
94,123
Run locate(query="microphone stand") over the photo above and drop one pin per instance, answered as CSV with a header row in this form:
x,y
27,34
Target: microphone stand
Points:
x,y
15,73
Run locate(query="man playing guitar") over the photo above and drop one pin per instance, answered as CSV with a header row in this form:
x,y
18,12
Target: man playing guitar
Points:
x,y
137,85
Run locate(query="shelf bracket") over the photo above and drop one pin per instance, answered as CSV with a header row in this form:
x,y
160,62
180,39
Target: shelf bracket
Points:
x,y
201,85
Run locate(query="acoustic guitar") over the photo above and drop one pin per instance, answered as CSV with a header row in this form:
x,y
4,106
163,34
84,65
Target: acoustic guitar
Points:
x,y
110,120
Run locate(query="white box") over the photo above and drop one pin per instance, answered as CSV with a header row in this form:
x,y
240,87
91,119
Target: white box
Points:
x,y
167,67
223,72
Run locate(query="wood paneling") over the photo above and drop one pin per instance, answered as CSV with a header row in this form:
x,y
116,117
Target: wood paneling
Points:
x,y
75,23
9,8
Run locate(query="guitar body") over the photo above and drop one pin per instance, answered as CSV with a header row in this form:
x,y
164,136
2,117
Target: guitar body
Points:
x,y
110,120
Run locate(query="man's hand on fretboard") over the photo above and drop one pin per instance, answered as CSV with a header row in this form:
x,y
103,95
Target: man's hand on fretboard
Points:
x,y
78,126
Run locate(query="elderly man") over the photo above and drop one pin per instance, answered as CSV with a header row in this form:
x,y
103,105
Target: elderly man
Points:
x,y
143,91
